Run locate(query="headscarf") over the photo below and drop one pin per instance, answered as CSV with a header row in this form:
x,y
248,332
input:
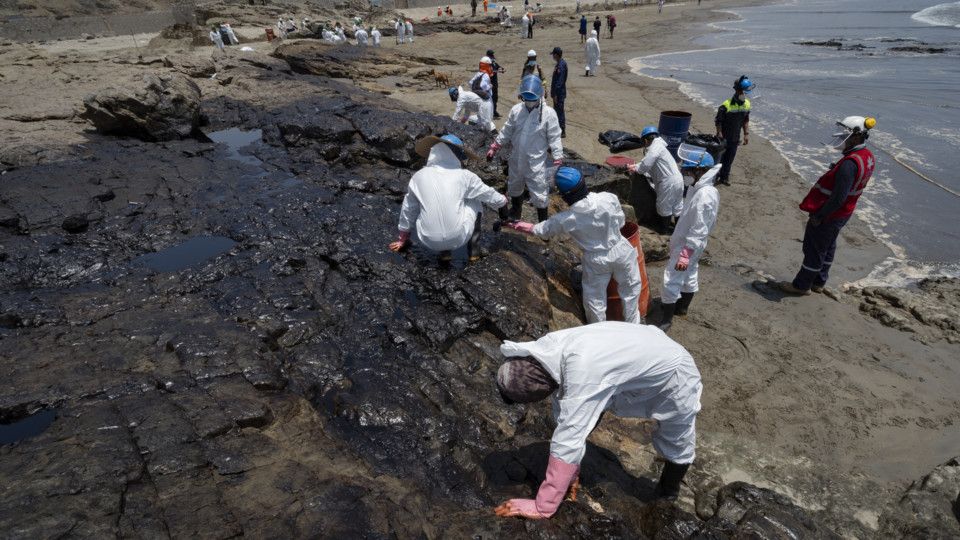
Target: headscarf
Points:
x,y
524,380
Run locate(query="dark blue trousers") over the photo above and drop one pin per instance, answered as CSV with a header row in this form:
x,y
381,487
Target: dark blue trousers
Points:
x,y
727,159
558,106
819,245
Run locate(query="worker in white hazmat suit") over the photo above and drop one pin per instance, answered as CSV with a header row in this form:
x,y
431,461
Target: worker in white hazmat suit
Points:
x,y
216,38
231,34
408,27
594,221
664,176
533,129
341,36
689,239
631,370
376,36
524,25
443,200
400,29
361,35
468,106
592,50
481,84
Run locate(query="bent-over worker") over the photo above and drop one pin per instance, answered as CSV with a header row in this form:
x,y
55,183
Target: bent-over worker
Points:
x,y
632,370
664,176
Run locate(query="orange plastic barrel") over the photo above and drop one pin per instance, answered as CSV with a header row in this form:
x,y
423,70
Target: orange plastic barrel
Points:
x,y
614,306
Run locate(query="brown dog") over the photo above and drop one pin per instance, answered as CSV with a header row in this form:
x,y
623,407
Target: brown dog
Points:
x,y
442,79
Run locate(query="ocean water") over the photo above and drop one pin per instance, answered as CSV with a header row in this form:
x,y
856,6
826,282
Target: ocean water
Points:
x,y
913,202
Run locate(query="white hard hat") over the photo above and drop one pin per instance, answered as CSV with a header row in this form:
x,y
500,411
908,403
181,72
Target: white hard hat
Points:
x,y
858,123
486,60
531,53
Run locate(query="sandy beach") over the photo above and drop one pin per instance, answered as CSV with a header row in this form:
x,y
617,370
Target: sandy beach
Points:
x,y
839,401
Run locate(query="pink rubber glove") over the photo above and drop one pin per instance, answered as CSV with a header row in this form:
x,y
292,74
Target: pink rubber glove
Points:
x,y
551,493
684,260
633,168
522,226
492,151
557,162
402,238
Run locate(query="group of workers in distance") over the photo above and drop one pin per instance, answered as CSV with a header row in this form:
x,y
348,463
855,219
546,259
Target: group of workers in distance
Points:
x,y
627,367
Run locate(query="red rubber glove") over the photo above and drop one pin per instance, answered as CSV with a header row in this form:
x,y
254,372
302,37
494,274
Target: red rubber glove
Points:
x,y
402,238
683,262
492,151
560,475
522,226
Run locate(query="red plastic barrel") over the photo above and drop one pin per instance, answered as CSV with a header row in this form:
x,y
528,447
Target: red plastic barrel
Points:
x,y
614,306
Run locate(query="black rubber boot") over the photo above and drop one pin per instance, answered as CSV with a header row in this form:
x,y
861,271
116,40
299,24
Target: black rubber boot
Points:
x,y
683,304
473,245
503,214
666,224
516,208
541,214
669,486
666,321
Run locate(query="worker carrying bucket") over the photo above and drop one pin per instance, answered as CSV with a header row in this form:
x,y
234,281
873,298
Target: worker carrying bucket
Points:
x,y
594,221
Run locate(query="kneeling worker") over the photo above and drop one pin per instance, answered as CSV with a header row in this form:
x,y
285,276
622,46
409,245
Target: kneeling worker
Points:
x,y
444,200
689,238
594,221
633,370
665,177
469,107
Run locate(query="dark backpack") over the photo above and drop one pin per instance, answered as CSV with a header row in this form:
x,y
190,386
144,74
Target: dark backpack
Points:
x,y
476,89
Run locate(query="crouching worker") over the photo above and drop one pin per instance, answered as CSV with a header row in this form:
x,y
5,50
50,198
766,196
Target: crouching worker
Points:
x,y
444,200
689,238
534,131
632,370
594,221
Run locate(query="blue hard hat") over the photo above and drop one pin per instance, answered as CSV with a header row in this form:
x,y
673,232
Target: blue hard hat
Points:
x,y
454,93
649,130
567,178
531,88
705,161
452,139
745,84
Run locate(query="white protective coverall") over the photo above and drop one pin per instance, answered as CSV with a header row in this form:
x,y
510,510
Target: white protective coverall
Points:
x,y
468,104
231,34
443,201
217,39
375,34
665,177
486,105
697,219
341,37
408,26
531,132
594,222
361,36
633,370
524,26
400,29
592,50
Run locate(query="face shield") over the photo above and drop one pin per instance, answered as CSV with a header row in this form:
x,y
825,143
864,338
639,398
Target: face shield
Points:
x,y
839,139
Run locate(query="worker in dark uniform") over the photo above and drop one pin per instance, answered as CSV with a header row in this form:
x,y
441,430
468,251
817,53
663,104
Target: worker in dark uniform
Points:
x,y
558,88
493,80
831,202
733,115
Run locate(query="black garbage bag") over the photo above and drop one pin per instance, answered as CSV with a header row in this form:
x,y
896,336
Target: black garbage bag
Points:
x,y
715,145
619,141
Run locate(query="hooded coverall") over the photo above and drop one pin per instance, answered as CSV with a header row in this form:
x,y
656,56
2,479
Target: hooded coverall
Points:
x,y
532,133
697,219
443,201
594,222
665,177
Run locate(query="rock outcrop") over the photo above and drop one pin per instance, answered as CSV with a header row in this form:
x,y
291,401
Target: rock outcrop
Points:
x,y
161,107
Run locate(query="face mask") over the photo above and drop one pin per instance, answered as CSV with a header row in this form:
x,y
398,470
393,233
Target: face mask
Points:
x,y
689,180
531,105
